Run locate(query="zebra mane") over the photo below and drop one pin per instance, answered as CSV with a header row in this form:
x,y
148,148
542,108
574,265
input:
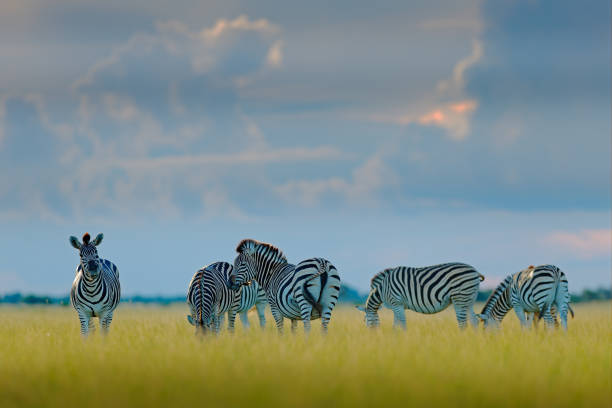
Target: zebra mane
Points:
x,y
380,276
252,247
497,294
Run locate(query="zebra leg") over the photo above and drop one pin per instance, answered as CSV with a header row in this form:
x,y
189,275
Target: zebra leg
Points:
x,y
244,318
231,319
84,324
325,318
399,316
520,313
563,315
461,314
530,319
105,322
278,318
294,324
548,319
305,313
261,312
92,325
553,312
216,323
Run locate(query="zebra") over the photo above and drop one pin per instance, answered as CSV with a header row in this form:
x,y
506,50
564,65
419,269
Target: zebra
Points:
x,y
306,291
95,291
209,298
535,293
429,290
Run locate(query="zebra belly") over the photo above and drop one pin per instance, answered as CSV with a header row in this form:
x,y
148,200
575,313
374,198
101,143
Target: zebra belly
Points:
x,y
426,309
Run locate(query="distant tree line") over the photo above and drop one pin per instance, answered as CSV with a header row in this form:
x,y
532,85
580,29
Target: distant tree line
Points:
x,y
348,295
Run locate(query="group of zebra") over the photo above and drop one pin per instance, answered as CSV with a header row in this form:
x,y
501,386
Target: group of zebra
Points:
x,y
310,290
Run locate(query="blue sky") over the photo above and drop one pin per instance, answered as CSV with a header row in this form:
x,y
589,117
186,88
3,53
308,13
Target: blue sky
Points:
x,y
411,133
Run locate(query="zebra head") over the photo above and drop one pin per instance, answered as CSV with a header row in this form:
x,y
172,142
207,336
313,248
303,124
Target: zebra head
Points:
x,y
365,313
90,262
245,265
201,327
244,272
489,321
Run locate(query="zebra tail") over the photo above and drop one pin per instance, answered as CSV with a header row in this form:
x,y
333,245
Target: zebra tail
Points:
x,y
310,299
570,310
481,277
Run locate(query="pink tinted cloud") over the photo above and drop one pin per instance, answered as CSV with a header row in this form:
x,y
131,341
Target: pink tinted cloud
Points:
x,y
464,106
435,116
588,243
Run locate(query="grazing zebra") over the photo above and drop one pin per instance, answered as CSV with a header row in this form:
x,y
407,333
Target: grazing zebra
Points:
x,y
429,289
95,291
209,298
541,291
306,291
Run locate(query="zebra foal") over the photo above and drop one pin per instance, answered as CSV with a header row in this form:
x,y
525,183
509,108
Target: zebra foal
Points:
x,y
429,290
95,291
209,298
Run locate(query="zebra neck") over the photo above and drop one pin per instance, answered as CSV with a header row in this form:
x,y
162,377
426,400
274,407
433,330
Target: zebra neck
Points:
x,y
90,285
499,301
500,310
265,274
500,306
89,280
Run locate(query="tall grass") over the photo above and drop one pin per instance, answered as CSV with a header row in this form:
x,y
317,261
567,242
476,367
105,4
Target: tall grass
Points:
x,y
152,358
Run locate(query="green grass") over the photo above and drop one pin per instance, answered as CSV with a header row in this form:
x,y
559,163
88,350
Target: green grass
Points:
x,y
152,358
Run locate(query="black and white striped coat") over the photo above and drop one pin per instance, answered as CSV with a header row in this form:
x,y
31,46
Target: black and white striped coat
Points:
x,y
209,298
306,291
96,290
429,289
540,290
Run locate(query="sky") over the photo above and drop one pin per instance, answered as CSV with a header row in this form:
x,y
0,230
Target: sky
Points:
x,y
400,133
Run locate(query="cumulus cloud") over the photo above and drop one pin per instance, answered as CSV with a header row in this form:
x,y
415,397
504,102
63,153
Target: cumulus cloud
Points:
x,y
369,178
447,107
157,128
586,244
240,23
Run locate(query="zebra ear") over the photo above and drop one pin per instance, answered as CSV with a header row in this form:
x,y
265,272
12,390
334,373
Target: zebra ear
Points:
x,y
98,239
74,241
246,246
190,320
360,308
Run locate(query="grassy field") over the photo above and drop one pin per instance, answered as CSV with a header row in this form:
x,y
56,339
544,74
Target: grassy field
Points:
x,y
152,358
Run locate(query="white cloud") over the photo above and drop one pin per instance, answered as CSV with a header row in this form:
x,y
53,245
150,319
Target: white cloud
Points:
x,y
367,180
248,157
275,54
447,107
585,244
129,156
203,47
240,23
